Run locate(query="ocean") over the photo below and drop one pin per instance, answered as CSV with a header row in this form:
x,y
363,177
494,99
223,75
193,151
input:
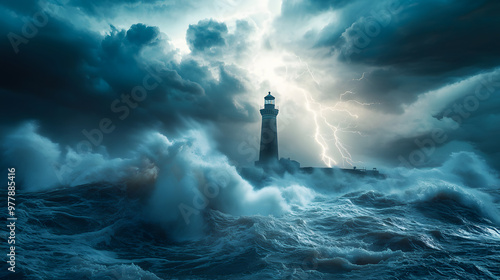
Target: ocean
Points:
x,y
198,219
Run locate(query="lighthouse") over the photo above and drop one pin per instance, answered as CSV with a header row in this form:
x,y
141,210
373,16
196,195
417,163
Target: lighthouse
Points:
x,y
272,165
269,132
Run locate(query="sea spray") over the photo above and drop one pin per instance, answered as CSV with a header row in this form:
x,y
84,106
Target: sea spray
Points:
x,y
198,178
307,226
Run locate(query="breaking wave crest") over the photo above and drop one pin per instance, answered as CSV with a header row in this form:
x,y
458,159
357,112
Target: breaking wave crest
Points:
x,y
178,208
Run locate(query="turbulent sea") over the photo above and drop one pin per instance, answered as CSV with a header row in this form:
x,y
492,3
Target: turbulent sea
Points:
x,y
97,231
188,218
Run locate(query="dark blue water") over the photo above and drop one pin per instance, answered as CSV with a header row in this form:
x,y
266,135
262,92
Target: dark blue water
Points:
x,y
430,230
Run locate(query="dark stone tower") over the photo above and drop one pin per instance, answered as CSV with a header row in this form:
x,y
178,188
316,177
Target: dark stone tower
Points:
x,y
269,133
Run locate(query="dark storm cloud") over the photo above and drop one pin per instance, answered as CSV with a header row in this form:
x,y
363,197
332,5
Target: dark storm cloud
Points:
x,y
97,7
429,37
206,34
427,44
68,79
21,7
404,50
141,34
212,42
389,88
406,47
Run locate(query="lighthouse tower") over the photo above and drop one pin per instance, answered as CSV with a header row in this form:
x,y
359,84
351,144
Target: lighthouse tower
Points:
x,y
269,133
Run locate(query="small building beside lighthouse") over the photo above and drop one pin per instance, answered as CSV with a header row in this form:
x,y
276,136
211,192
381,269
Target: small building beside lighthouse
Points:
x,y
269,133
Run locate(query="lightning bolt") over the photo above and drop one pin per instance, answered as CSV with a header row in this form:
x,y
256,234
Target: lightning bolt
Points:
x,y
362,77
333,131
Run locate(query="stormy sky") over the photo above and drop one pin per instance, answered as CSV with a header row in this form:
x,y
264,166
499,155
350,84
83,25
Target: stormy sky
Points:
x,y
365,83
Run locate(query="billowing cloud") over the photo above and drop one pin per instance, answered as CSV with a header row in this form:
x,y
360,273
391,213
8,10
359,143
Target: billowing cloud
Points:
x,y
141,34
70,79
392,70
206,34
426,37
391,56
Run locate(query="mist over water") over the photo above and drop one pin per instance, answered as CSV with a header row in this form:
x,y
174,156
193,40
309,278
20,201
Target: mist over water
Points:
x,y
177,208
